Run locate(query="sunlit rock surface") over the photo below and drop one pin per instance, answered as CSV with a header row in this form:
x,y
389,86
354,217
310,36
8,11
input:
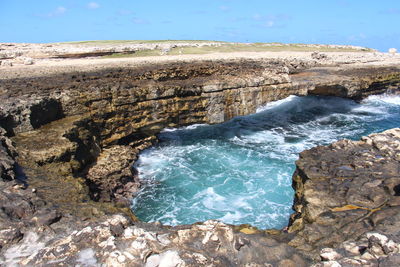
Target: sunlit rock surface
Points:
x,y
345,190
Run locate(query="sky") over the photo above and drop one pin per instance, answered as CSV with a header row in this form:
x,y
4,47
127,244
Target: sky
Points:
x,y
370,23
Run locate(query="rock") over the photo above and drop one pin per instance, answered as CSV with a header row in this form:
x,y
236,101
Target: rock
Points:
x,y
341,201
9,236
287,263
7,63
352,248
7,155
28,61
166,259
329,254
392,51
390,261
115,163
372,255
46,217
319,56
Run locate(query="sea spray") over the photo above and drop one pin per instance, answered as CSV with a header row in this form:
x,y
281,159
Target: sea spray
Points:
x,y
240,171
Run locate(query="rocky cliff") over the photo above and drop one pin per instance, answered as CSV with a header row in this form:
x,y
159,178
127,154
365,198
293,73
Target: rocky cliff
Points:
x,y
69,140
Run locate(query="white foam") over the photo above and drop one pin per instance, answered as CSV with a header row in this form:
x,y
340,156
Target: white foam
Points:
x,y
211,200
386,98
277,103
232,217
190,127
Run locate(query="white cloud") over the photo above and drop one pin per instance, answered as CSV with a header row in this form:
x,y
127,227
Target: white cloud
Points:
x,y
271,21
357,37
257,16
93,5
60,10
124,12
269,24
137,20
224,8
57,12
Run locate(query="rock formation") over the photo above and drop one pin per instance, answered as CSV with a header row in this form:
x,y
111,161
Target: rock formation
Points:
x,y
346,190
68,140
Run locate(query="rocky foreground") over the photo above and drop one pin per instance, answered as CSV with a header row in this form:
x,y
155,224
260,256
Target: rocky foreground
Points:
x,y
69,135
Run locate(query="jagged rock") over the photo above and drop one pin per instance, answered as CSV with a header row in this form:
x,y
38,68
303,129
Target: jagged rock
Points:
x,y
151,245
112,176
168,258
28,113
372,255
46,217
9,235
336,197
7,155
329,254
7,63
319,56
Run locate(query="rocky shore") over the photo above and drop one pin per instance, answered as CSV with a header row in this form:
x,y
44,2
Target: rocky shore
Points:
x,y
69,136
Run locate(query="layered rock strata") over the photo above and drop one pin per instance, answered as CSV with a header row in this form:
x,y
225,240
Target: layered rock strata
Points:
x,y
77,134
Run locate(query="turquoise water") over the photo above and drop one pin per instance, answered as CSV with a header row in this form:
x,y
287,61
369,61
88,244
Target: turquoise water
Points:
x,y
240,171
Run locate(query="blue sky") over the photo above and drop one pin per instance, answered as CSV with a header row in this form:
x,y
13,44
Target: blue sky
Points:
x,y
370,23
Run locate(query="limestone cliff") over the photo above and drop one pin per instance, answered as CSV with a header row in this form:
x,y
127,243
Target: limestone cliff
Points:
x,y
98,110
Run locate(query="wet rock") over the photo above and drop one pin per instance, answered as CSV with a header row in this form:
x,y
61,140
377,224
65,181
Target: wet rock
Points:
x,y
9,235
46,217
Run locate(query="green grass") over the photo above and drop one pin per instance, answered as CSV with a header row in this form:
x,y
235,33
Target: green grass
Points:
x,y
140,53
227,48
223,47
256,47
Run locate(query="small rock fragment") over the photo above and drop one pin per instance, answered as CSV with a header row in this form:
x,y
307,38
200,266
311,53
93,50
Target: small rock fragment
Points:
x,y
329,254
392,51
28,61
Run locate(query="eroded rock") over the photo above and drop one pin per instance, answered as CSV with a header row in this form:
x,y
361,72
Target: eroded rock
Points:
x,y
151,245
345,190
